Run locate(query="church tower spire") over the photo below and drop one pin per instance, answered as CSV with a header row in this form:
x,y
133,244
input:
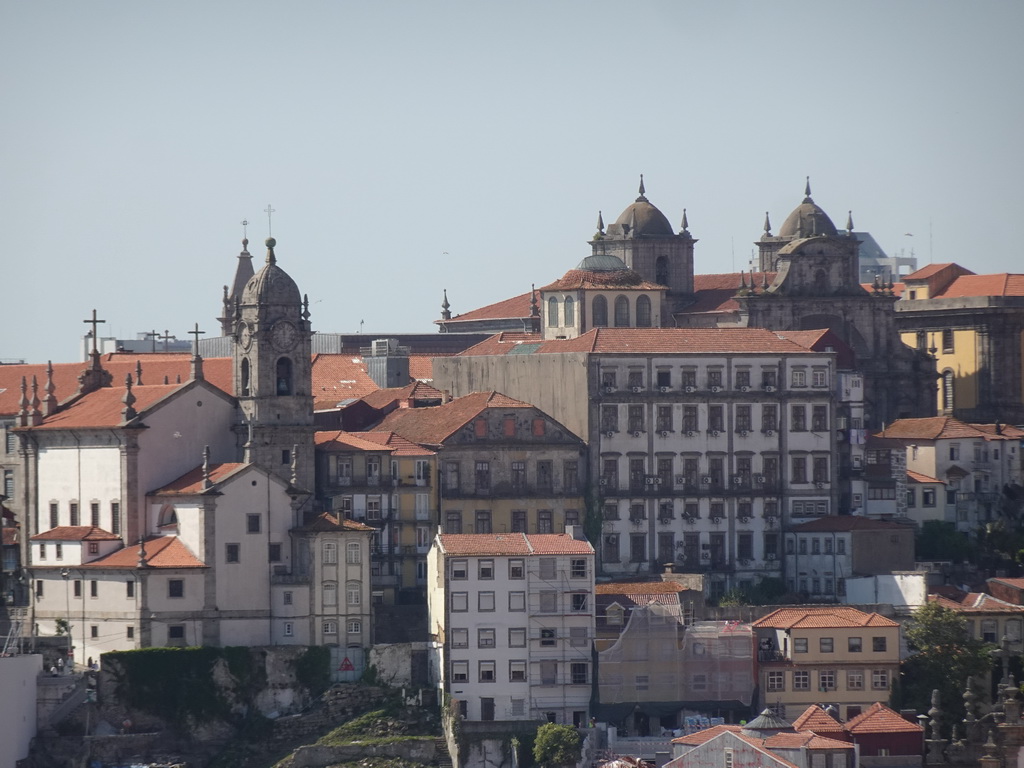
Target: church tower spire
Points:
x,y
273,373
243,273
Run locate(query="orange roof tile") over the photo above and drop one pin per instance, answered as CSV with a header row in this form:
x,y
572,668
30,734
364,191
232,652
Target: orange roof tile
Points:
x,y
946,427
513,544
1015,583
976,602
377,440
160,552
639,588
75,533
816,719
646,341
927,271
328,523
339,377
821,617
434,424
191,483
1002,284
517,307
917,477
576,279
416,390
878,718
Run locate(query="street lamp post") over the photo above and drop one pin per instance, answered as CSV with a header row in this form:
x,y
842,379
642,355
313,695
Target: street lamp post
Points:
x,y
65,574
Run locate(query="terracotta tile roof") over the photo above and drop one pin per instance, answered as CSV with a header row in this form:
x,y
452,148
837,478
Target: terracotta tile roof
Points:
x,y
75,533
816,719
160,552
847,523
328,523
928,271
878,718
806,739
646,341
1002,284
434,424
781,740
416,390
946,427
191,483
512,544
10,536
337,440
825,617
917,477
976,602
421,367
217,371
700,737
339,377
1015,583
517,307
576,279
639,588
716,293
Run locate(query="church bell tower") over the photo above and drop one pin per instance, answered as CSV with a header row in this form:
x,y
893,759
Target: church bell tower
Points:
x,y
272,374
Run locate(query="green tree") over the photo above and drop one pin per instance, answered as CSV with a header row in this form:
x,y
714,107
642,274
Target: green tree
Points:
x,y
556,746
945,657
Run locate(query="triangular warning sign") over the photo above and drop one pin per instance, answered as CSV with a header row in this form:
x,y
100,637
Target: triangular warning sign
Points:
x,y
346,666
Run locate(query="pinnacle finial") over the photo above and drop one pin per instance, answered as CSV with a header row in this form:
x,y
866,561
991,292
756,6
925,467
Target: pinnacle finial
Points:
x,y
534,306
141,562
129,411
138,372
271,258
642,190
849,222
207,484
767,225
686,224
600,223
446,308
807,191
305,306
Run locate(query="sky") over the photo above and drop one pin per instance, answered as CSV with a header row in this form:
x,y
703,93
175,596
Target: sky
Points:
x,y
411,147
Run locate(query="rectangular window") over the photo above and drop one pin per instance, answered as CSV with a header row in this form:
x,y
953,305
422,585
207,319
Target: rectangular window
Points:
x,y
570,477
453,522
485,569
54,514
451,475
274,553
516,569
825,644
39,588
826,680
231,553
94,514
59,549
460,638
460,602
799,379
175,587
578,568
819,378
460,671
776,681
115,518
287,598
517,671
853,644
252,523
354,593
548,638
485,601
483,476
820,469
517,601
545,476
880,680
635,416
517,637
460,570
176,632
330,552
130,633
799,645
548,601
878,644
548,672
799,469
769,418
664,418
485,638
579,602
73,512
129,589
578,672
329,627
819,418
716,418
77,588
288,629
854,681
486,672
518,476
609,418
798,418
578,637
545,523
548,568
94,588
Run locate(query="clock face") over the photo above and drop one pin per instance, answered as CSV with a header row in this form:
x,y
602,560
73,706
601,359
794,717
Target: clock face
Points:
x,y
283,334
245,335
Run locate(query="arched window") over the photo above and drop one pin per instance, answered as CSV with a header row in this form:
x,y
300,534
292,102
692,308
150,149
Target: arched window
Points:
x,y
947,390
600,312
643,312
570,312
352,553
661,270
552,312
354,592
284,376
621,312
245,377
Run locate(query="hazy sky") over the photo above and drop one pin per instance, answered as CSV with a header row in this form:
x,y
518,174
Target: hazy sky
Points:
x,y
409,147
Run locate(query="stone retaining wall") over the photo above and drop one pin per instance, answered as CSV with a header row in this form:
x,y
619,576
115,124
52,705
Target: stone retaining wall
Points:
x,y
416,749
